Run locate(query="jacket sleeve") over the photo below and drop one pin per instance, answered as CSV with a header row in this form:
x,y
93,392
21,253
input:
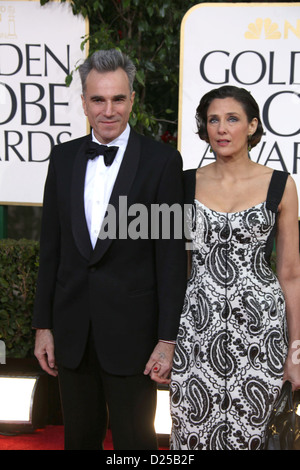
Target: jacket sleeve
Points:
x,y
49,253
170,249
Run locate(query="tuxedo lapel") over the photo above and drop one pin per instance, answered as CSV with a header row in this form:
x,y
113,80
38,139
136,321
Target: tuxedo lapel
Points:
x,y
79,225
122,187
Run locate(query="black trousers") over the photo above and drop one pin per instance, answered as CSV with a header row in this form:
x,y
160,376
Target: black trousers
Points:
x,y
91,398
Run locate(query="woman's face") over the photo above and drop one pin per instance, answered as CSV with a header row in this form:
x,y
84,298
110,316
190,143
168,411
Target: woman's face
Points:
x,y
228,127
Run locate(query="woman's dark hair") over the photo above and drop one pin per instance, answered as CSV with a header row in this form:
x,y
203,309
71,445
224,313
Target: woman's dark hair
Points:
x,y
241,95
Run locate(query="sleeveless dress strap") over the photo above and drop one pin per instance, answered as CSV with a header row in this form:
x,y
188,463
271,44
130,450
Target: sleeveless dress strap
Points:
x,y
274,196
276,189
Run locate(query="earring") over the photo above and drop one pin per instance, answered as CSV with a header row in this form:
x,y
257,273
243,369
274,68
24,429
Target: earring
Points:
x,y
249,143
210,150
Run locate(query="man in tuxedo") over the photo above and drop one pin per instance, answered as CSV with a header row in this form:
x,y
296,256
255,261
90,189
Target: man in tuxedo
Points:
x,y
107,307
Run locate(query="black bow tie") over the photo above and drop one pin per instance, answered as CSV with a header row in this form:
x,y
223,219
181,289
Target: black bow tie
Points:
x,y
94,150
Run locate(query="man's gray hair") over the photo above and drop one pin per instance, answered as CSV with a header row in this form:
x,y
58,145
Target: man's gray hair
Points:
x,y
107,61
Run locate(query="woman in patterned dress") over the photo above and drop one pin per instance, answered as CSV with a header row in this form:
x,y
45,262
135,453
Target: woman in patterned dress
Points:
x,y
240,325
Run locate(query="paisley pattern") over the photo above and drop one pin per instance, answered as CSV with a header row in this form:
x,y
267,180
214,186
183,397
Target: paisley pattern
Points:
x,y
232,339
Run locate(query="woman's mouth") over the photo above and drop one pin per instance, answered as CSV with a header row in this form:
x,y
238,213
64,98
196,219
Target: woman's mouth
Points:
x,y
223,142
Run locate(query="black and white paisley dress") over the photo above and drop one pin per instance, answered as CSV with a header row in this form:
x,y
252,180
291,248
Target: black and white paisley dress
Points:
x,y
232,340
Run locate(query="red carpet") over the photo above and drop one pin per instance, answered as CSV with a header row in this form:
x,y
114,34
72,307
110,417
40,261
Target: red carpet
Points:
x,y
48,438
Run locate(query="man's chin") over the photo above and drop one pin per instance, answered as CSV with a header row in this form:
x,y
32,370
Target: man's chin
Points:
x,y
107,134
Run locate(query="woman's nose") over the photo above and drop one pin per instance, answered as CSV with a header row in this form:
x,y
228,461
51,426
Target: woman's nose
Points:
x,y
222,127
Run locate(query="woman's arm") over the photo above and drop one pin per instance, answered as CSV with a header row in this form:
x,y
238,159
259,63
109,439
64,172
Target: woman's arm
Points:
x,y
288,271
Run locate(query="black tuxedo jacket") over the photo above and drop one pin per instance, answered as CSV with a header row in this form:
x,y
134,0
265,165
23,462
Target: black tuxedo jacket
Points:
x,y
130,291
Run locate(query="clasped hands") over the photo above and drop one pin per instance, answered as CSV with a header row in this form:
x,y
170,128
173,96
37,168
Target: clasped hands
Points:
x,y
158,367
160,363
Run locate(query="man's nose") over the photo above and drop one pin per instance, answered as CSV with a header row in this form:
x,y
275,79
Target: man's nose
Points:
x,y
108,108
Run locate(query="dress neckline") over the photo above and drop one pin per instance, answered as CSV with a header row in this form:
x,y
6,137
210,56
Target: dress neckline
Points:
x,y
230,213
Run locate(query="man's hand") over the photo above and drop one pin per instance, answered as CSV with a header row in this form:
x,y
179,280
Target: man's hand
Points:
x,y
160,363
44,351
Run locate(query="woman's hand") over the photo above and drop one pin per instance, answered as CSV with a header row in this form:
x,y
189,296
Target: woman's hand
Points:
x,y
160,363
292,366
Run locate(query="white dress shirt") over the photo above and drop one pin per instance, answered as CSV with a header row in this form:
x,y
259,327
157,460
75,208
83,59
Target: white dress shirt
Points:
x,y
99,183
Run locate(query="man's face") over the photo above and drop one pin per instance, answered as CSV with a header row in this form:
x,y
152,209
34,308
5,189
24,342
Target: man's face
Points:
x,y
107,103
